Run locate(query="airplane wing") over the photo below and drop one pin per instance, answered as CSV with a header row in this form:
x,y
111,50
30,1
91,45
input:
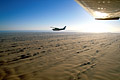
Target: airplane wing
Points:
x,y
52,27
102,9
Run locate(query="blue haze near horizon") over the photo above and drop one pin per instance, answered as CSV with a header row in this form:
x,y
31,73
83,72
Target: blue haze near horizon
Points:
x,y
41,14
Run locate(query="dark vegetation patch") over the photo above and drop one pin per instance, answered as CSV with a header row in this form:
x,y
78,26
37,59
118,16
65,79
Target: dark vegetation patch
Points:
x,y
1,51
84,47
35,53
25,56
3,62
39,48
57,45
43,51
97,51
87,63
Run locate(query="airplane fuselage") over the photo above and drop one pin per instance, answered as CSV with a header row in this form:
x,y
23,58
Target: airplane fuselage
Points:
x,y
56,29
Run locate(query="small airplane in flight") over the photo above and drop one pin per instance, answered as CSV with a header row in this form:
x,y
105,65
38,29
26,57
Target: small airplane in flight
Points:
x,y
58,29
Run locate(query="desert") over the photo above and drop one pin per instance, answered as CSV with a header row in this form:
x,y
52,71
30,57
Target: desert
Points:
x,y
59,56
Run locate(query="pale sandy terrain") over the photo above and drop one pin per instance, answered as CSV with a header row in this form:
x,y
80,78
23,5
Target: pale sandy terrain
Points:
x,y
59,56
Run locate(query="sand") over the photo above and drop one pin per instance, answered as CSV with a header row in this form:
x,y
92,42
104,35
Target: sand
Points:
x,y
59,56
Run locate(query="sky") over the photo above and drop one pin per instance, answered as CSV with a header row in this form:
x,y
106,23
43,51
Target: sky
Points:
x,y
42,14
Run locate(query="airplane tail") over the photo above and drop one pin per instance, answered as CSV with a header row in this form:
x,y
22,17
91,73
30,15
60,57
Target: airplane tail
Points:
x,y
64,28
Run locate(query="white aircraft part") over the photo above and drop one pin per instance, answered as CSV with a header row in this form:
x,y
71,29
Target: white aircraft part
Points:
x,y
102,9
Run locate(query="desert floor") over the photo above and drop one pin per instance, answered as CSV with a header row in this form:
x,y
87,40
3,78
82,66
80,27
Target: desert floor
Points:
x,y
59,56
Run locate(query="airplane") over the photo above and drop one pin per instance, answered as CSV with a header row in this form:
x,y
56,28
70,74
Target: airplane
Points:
x,y
58,29
102,9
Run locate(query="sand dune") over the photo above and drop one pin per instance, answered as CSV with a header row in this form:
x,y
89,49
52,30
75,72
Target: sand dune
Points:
x,y
59,56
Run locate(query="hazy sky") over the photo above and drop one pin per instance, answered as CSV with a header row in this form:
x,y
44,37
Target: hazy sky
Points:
x,y
41,14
